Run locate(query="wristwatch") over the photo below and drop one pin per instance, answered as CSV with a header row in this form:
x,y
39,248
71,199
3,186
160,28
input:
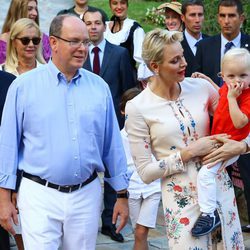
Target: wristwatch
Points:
x,y
123,195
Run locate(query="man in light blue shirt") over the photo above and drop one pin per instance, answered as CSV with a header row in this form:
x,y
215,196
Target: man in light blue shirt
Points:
x,y
59,127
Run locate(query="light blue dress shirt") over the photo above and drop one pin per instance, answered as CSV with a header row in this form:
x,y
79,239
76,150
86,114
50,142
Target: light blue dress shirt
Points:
x,y
60,131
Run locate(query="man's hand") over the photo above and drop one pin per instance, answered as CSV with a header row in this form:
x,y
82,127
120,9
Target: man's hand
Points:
x,y
120,209
229,149
8,212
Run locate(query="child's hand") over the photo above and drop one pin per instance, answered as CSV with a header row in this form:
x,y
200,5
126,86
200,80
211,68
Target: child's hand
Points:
x,y
200,75
234,89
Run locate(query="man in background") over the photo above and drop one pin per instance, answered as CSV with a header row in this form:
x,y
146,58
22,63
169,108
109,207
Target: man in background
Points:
x,y
115,68
193,18
80,7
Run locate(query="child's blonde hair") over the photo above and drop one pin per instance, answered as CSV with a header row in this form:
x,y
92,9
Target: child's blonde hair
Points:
x,y
234,54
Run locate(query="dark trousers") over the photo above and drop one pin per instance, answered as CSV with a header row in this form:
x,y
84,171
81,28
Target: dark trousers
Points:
x,y
109,202
4,239
244,166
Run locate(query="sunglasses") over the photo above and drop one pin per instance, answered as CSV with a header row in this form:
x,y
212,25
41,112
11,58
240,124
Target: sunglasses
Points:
x,y
26,40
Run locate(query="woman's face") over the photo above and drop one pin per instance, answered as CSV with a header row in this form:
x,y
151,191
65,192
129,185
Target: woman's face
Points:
x,y
174,64
119,8
172,20
32,10
26,52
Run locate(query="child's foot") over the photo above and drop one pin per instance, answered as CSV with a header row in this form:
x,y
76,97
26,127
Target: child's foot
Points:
x,y
205,224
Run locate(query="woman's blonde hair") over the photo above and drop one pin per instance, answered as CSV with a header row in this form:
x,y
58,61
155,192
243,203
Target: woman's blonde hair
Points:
x,y
18,9
154,43
236,53
18,27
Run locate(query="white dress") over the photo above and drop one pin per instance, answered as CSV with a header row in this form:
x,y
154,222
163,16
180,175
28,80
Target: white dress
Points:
x,y
155,125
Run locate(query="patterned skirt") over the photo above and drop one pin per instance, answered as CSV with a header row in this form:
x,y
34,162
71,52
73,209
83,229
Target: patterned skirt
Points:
x,y
181,210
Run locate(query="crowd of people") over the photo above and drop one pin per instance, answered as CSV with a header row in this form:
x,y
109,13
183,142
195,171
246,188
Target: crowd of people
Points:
x,y
163,115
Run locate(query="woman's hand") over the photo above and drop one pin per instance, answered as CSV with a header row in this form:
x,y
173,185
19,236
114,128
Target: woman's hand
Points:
x,y
229,149
201,147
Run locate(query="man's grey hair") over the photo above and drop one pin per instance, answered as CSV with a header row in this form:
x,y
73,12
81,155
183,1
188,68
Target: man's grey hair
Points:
x,y
56,25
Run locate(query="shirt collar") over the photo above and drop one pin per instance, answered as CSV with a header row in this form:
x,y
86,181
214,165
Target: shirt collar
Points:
x,y
191,40
101,46
59,77
236,41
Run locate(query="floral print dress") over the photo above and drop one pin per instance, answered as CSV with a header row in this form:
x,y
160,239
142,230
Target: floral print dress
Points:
x,y
155,125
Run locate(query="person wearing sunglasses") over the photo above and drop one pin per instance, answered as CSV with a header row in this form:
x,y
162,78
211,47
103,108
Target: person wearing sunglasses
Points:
x,y
22,9
24,47
23,54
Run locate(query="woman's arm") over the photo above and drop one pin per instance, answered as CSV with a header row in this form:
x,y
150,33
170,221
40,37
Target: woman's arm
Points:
x,y
140,145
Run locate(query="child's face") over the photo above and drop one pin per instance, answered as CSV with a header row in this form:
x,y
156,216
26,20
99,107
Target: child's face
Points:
x,y
236,71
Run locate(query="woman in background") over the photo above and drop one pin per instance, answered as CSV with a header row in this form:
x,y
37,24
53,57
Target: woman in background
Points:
x,y
22,9
23,54
128,33
172,13
23,50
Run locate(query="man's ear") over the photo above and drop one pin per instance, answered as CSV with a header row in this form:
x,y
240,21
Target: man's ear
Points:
x,y
182,18
53,43
242,19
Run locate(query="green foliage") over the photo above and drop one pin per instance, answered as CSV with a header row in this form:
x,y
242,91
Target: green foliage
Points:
x,y
143,11
152,15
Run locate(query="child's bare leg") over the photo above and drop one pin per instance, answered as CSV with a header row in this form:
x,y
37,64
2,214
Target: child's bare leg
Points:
x,y
141,235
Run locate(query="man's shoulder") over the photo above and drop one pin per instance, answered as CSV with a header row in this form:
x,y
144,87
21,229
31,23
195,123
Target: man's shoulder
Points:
x,y
115,47
6,77
245,41
92,79
66,11
209,41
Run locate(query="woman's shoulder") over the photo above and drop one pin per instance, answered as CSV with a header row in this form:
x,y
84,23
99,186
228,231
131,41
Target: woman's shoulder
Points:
x,y
143,100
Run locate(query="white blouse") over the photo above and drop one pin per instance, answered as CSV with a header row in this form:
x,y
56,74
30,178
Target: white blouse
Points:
x,y
121,36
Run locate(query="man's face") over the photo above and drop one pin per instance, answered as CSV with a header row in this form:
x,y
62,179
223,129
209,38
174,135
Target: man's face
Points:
x,y
193,20
230,21
95,26
70,56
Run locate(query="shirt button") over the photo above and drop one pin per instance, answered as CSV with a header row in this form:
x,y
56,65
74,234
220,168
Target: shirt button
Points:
x,y
75,157
73,138
76,174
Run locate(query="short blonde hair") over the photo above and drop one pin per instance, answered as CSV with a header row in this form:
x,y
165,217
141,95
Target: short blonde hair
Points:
x,y
18,27
154,43
236,53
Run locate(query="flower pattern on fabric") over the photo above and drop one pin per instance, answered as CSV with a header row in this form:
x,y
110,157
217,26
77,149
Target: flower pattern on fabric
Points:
x,y
236,241
232,218
182,114
146,143
175,224
183,196
227,183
